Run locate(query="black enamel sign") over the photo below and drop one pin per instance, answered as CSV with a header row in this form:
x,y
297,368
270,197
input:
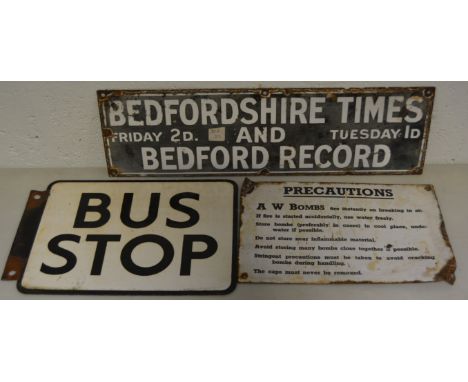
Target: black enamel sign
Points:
x,y
265,131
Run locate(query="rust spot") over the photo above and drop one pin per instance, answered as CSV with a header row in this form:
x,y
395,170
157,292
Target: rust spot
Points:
x,y
332,97
107,95
114,171
429,92
263,171
417,170
247,187
103,97
107,133
244,276
444,233
428,187
447,273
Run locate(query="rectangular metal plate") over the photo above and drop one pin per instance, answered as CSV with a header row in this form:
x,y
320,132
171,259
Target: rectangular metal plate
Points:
x,y
322,233
135,237
265,131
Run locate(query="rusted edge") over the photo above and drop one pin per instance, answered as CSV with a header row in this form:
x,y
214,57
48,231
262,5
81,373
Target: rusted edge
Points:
x,y
102,97
429,94
24,238
341,282
106,94
107,132
248,186
447,272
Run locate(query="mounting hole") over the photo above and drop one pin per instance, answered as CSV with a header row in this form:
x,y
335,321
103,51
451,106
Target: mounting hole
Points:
x,y
428,93
11,273
36,196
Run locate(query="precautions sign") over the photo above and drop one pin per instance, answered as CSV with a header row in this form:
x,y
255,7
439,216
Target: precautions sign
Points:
x,y
135,237
265,131
322,233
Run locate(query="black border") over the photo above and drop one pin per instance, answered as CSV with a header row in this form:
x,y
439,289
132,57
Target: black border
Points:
x,y
235,247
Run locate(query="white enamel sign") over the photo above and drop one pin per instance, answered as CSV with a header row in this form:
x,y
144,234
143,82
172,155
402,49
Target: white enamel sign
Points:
x,y
322,233
135,237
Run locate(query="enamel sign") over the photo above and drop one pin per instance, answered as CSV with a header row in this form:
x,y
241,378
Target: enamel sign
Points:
x,y
265,131
321,233
134,237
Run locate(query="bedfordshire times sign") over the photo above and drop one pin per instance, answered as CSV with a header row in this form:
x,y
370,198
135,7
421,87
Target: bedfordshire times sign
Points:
x,y
265,131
